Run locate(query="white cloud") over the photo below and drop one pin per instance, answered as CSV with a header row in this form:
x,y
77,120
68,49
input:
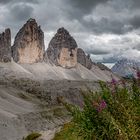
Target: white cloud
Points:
x,y
110,45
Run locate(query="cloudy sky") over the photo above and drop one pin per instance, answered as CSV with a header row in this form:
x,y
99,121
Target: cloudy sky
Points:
x,y
107,29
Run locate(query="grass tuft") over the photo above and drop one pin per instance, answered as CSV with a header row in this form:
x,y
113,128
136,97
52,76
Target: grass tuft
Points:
x,y
32,136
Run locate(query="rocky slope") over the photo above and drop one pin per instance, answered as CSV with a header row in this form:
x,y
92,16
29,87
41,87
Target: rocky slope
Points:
x,y
29,44
5,46
126,68
46,71
30,106
22,113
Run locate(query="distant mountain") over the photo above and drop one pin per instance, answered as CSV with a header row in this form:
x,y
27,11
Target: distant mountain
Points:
x,y
126,68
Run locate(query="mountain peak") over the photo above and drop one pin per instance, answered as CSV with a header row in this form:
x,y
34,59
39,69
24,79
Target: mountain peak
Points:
x,y
29,43
5,46
62,30
62,49
31,20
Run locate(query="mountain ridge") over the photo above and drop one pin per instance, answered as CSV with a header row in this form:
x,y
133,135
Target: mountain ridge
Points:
x,y
63,55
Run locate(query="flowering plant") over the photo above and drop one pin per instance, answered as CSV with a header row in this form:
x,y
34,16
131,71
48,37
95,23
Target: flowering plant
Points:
x,y
107,116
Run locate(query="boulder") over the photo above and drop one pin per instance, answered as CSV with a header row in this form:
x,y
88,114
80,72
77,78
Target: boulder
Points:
x,y
62,49
5,46
29,44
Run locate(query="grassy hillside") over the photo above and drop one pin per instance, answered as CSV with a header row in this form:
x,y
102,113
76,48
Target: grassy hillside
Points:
x,y
110,114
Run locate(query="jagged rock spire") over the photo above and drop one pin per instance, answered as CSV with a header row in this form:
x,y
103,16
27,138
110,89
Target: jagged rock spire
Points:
x,y
5,46
62,49
84,59
29,43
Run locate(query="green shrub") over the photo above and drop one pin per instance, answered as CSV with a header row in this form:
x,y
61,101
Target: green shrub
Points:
x,y
65,133
110,114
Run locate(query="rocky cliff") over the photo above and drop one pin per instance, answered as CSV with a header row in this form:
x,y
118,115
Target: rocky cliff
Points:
x,y
62,49
29,44
5,46
84,59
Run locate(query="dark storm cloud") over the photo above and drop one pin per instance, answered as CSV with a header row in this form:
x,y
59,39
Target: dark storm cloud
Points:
x,y
76,9
12,1
111,24
5,1
135,21
105,25
96,51
136,3
21,12
85,5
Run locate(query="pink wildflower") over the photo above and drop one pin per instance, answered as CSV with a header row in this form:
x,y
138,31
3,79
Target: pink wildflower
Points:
x,y
138,74
102,106
99,106
113,81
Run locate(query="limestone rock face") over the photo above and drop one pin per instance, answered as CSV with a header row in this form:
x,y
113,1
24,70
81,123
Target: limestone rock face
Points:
x,y
84,59
62,49
29,44
5,46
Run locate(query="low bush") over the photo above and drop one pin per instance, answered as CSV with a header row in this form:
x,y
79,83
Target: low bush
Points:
x,y
110,114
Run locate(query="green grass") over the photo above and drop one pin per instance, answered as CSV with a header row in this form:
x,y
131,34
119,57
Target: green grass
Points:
x,y
110,114
32,136
66,133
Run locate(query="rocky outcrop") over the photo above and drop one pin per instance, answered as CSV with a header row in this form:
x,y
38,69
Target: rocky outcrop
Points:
x,y
102,66
5,46
84,59
62,49
29,44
